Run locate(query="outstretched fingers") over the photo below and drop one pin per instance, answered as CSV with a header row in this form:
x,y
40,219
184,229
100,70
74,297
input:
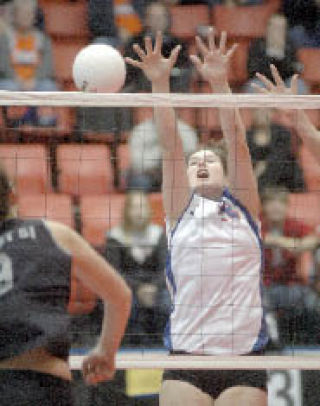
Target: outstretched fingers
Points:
x,y
139,51
133,62
201,47
211,39
268,84
276,76
223,42
294,83
197,62
174,55
158,43
232,50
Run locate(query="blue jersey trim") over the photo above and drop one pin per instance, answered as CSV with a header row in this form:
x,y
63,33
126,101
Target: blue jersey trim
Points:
x,y
262,339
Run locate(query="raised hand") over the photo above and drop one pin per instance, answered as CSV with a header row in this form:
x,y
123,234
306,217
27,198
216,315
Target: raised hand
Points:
x,y
98,367
213,67
278,87
155,66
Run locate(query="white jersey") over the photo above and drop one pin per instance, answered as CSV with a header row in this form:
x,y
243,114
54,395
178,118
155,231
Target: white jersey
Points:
x,y
214,274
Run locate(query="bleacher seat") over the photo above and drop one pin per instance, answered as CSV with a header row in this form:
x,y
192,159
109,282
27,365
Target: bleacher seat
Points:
x,y
185,20
28,167
99,214
63,56
50,206
311,169
66,19
243,21
84,169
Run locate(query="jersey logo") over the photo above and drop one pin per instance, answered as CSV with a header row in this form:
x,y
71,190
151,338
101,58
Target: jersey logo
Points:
x,y
226,211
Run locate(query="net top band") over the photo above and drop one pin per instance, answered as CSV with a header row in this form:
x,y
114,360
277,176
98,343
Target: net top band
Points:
x,y
82,99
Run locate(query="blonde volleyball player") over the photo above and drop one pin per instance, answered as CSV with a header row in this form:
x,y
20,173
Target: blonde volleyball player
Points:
x,y
214,263
298,120
36,258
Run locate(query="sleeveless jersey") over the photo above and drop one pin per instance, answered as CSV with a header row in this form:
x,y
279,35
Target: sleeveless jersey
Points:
x,y
34,289
214,274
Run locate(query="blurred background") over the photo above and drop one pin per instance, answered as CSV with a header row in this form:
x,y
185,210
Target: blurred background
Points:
x,y
99,170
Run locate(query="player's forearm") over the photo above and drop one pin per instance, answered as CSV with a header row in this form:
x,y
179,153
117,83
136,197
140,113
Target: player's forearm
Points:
x,y
165,121
308,133
114,323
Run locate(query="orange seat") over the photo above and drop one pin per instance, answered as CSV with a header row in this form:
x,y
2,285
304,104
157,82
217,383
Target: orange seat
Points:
x,y
28,167
305,207
158,215
310,58
66,19
243,21
84,169
311,169
185,20
63,57
50,206
99,214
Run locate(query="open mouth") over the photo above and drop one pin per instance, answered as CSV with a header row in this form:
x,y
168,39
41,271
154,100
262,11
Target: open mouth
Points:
x,y
203,174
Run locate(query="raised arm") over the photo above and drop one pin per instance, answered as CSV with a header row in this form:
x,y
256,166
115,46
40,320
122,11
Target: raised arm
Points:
x,y
175,186
214,68
300,122
95,273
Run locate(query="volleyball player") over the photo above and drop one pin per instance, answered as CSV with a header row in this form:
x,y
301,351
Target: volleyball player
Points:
x,y
35,264
298,119
214,264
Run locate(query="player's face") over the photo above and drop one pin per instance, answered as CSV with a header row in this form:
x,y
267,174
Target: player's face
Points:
x,y
275,210
205,173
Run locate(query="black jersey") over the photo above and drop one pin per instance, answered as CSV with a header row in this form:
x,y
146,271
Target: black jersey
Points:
x,y
34,289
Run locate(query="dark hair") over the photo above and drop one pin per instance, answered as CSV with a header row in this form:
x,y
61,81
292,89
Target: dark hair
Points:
x,y
274,193
5,189
219,148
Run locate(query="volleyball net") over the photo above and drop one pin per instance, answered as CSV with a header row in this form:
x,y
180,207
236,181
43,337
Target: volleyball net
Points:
x,y
80,171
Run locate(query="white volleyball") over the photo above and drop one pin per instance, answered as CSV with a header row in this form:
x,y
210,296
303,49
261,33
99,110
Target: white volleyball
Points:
x,y
99,68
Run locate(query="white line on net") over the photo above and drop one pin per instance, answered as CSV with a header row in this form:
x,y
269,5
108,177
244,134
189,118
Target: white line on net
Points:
x,y
158,361
81,99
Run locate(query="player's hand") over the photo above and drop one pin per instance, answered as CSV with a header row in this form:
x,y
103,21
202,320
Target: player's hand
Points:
x,y
277,86
155,66
213,64
98,367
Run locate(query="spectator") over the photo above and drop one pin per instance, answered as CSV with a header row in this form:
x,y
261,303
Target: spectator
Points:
x,y
287,289
271,152
26,60
157,18
114,21
145,153
276,49
304,19
137,249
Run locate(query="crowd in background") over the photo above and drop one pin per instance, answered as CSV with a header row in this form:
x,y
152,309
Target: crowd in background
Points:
x,y
137,247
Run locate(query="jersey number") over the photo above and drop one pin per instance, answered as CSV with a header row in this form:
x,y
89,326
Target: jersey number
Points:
x,y
6,274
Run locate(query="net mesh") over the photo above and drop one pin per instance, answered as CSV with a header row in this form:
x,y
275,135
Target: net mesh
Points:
x,y
75,158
